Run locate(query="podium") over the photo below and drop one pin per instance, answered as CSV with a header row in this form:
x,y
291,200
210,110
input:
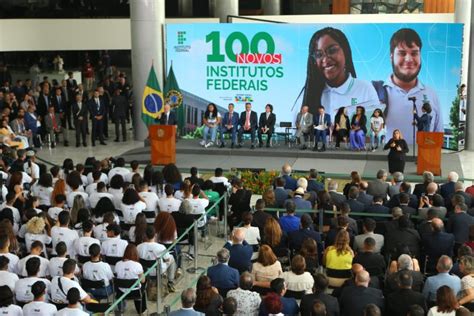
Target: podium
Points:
x,y
163,144
429,152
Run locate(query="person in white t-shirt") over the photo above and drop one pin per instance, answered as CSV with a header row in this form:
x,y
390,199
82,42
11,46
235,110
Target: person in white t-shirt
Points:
x,y
96,270
74,308
101,192
199,202
80,168
103,177
64,233
7,278
119,169
23,286
36,250
151,250
30,166
116,189
377,127
219,178
151,200
100,230
139,226
134,165
38,307
169,203
129,268
10,200
56,263
114,246
36,229
211,121
92,187
131,205
83,244
75,191
43,189
60,285
58,206
5,252
6,303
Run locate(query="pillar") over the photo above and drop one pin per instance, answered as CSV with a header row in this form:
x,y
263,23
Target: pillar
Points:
x,y
185,8
222,8
147,19
271,7
470,83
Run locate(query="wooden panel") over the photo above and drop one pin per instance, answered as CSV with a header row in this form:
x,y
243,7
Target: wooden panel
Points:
x,y
439,6
341,6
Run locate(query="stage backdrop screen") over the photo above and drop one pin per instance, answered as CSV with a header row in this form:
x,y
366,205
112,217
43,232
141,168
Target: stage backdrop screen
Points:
x,y
396,68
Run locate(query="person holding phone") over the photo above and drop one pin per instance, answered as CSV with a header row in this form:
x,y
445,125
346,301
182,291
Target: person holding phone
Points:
x,y
398,148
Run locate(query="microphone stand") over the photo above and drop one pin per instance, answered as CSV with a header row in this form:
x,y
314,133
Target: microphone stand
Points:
x,y
413,99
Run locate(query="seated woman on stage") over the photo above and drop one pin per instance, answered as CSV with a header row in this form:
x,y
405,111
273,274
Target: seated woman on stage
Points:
x,y
341,126
358,129
266,125
377,128
211,121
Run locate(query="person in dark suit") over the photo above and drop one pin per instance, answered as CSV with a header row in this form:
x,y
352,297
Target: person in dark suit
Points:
x,y
289,304
363,197
405,189
399,302
337,198
105,100
97,111
354,298
356,206
458,224
266,125
321,122
397,154
281,194
44,100
402,235
229,124
222,276
437,243
300,202
33,124
259,216
290,182
319,288
79,114
59,103
379,186
313,183
296,238
449,187
377,207
240,203
54,127
240,251
119,115
420,188
459,192
248,124
423,122
373,262
167,117
71,85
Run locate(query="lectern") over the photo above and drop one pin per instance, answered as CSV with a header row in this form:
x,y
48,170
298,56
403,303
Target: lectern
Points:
x,y
163,144
429,152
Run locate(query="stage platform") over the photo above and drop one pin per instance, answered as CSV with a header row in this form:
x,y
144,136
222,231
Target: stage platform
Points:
x,y
189,153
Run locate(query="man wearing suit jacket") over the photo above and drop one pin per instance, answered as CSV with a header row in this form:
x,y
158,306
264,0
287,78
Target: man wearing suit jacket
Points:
x,y
33,124
322,122
449,187
304,126
53,125
266,124
248,124
59,103
188,299
229,124
222,276
240,251
354,298
379,186
321,283
437,243
306,230
71,85
44,100
97,112
18,126
167,117
79,115
119,114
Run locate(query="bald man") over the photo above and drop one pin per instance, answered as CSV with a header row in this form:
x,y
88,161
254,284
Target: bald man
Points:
x,y
240,251
354,298
437,243
433,283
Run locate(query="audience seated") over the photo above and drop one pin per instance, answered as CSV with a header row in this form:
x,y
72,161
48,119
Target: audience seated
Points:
x,y
320,286
240,251
399,302
223,277
404,263
208,299
290,222
248,302
368,229
338,259
289,304
296,238
266,268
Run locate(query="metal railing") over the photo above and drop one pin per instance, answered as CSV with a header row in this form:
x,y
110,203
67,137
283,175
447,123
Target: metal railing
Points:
x,y
157,265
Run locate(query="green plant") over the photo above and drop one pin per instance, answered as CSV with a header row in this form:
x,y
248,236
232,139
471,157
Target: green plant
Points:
x,y
454,122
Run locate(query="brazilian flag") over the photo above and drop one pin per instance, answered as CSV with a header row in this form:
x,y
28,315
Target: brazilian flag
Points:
x,y
174,98
152,101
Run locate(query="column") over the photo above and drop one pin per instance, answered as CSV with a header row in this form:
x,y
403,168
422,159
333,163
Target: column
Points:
x,y
470,82
271,7
223,8
147,19
185,8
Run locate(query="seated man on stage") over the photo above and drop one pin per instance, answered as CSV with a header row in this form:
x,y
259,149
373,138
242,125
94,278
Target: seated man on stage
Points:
x,y
229,124
266,124
248,124
304,126
322,121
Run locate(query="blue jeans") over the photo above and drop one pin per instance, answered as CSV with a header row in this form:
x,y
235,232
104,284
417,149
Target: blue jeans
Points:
x,y
101,293
213,131
320,134
378,137
232,131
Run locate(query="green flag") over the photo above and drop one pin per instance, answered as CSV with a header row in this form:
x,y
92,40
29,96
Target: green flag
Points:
x,y
174,98
152,99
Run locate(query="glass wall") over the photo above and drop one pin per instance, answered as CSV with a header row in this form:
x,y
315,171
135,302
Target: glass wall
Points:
x,y
386,6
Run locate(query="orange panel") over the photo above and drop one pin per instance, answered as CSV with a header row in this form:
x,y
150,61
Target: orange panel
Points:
x,y
162,144
439,6
341,6
429,152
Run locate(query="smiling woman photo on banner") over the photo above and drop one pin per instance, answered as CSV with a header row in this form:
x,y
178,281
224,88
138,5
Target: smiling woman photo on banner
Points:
x,y
331,78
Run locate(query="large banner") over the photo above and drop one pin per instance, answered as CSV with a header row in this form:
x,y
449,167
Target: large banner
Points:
x,y
408,71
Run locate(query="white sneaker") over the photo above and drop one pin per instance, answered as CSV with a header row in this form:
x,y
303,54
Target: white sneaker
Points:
x,y
209,144
202,143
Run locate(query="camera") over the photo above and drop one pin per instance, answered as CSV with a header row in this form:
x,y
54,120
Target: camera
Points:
x,y
413,99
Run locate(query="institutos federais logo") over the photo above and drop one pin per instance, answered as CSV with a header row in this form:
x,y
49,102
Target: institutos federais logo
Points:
x,y
182,47
243,64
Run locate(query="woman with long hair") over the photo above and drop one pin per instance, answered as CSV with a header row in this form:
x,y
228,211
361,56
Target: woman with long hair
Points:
x,y
78,203
355,181
68,167
157,183
330,66
309,251
398,149
105,205
166,234
466,265
377,126
446,303
6,228
59,188
275,237
341,126
172,176
43,190
211,121
136,234
147,174
266,268
116,189
338,259
131,205
184,191
208,299
269,197
358,129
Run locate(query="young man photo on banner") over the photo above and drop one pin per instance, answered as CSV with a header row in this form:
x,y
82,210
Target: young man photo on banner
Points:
x,y
404,84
